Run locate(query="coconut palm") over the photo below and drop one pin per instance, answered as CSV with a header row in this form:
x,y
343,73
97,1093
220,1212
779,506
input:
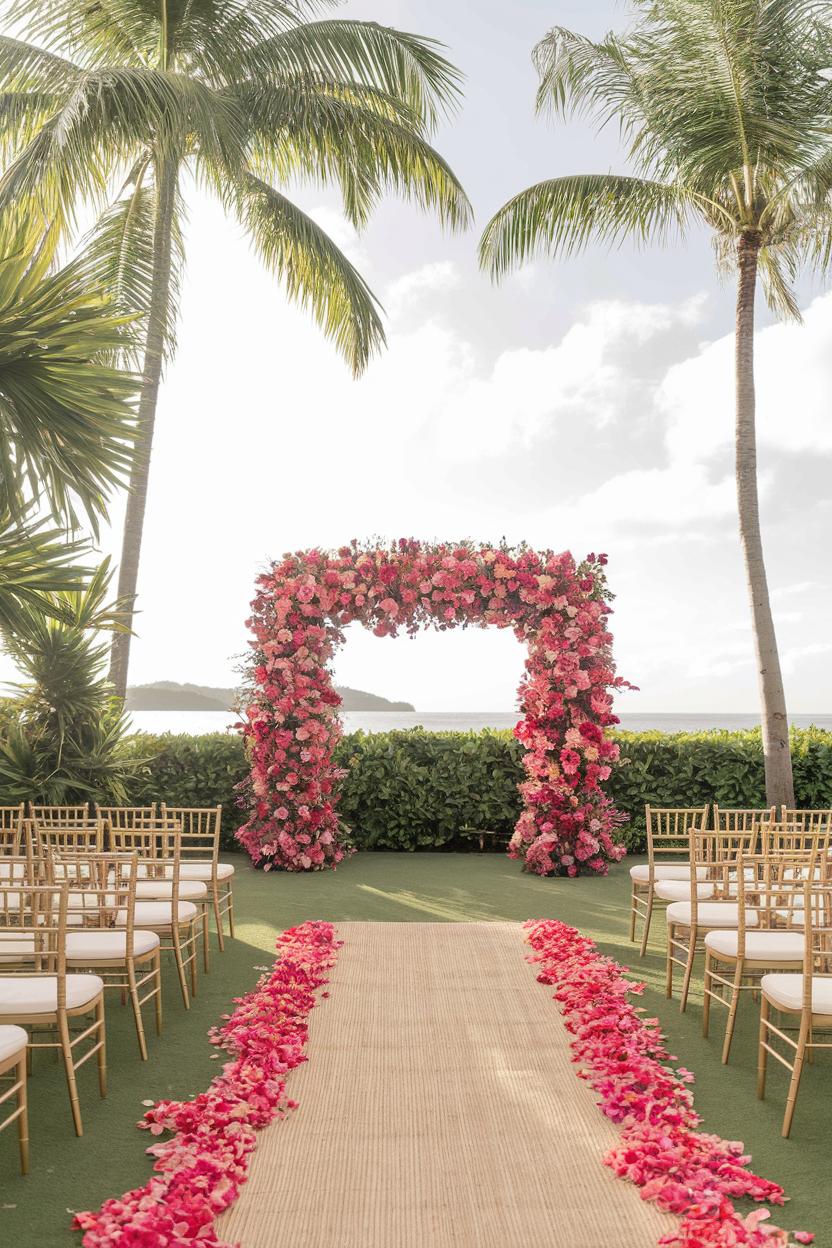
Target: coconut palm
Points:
x,y
246,96
726,113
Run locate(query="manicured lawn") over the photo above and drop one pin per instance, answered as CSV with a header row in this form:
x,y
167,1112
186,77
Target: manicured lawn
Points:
x,y
69,1174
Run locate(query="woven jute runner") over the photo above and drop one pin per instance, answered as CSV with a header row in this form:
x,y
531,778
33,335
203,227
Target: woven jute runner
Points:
x,y
439,1109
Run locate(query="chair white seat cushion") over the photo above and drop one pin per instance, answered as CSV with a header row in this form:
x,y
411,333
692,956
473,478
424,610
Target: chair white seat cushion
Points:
x,y
662,871
12,1040
159,890
785,991
38,994
679,890
765,947
711,914
14,947
84,948
196,870
158,914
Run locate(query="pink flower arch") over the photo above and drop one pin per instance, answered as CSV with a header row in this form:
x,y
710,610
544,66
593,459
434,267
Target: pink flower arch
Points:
x,y
558,609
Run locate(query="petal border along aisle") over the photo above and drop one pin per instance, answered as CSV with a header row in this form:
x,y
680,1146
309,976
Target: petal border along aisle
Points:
x,y
624,1059
200,1168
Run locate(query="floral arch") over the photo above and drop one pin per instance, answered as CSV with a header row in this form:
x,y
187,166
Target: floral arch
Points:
x,y
556,608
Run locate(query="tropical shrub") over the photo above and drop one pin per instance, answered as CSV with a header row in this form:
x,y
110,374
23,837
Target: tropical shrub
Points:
x,y
62,738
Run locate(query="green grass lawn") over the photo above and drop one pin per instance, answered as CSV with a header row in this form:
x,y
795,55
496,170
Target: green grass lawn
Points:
x,y
69,1174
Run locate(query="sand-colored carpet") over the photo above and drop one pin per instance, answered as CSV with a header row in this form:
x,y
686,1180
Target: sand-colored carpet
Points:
x,y
439,1109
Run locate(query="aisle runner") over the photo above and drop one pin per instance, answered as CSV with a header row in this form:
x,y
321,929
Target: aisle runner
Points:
x,y
439,1109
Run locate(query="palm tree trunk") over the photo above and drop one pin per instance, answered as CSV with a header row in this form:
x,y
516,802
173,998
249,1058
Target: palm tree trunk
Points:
x,y
157,325
778,763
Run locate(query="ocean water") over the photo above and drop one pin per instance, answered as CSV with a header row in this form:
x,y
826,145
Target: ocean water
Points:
x,y
196,722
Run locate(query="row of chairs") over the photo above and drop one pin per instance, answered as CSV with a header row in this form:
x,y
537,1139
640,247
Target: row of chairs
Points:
x,y
753,893
89,901
669,830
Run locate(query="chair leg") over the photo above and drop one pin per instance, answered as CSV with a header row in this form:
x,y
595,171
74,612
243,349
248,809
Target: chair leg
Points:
x,y
137,1008
683,1001
708,989
647,919
180,966
762,1052
102,1052
206,941
23,1117
633,913
797,1071
229,892
732,1012
193,955
671,937
66,1053
215,897
157,975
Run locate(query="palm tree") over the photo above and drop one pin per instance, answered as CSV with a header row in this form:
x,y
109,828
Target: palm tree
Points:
x,y
245,96
726,113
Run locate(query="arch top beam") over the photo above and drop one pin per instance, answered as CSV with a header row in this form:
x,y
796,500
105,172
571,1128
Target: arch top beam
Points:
x,y
558,609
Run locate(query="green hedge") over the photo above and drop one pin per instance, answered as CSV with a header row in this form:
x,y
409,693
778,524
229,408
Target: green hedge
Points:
x,y
416,790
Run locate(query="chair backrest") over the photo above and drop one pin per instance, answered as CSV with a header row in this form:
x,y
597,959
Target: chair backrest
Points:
x,y
155,838
809,818
11,828
102,889
669,830
817,930
770,892
795,837
125,816
741,818
69,838
714,858
33,922
59,816
200,827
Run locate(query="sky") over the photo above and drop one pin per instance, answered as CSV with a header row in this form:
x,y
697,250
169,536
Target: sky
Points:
x,y
584,404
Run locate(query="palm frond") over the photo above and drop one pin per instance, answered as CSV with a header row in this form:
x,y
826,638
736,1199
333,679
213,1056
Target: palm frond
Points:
x,y
561,216
67,417
315,272
316,132
404,66
37,562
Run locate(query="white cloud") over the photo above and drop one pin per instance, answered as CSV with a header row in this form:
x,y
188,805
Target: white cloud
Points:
x,y
410,289
793,365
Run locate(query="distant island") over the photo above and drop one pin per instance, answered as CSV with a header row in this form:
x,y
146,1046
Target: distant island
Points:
x,y
170,695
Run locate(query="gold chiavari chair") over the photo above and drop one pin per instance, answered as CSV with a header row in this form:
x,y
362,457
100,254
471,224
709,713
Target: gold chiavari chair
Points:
x,y
104,939
58,816
201,826
741,818
161,905
38,992
801,1003
13,1048
668,858
69,838
713,866
769,936
11,828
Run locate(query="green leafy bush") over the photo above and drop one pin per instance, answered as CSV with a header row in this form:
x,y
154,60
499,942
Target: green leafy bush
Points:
x,y
417,790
